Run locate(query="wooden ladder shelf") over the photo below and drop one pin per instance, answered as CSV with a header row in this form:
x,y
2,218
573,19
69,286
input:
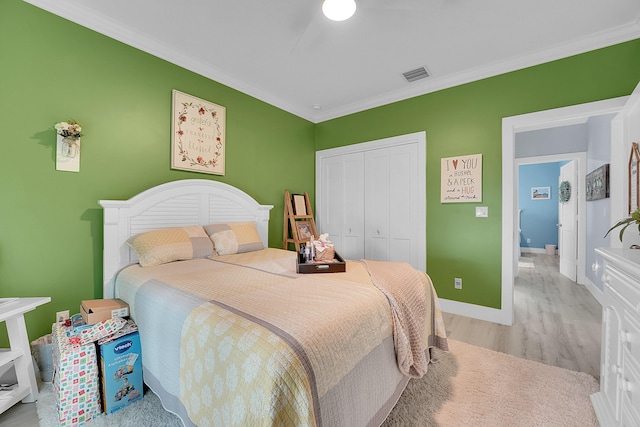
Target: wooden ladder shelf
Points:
x,y
299,224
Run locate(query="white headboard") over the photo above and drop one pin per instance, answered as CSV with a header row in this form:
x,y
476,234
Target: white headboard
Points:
x,y
174,204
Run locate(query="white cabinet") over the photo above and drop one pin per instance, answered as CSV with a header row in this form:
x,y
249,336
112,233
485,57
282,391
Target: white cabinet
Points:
x,y
12,313
618,401
370,198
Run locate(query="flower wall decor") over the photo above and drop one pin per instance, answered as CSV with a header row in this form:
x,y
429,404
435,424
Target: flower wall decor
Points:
x,y
68,146
197,135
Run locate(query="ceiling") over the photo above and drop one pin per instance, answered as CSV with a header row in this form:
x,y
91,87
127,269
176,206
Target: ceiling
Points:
x,y
286,53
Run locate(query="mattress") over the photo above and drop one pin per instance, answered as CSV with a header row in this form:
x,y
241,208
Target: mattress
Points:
x,y
243,340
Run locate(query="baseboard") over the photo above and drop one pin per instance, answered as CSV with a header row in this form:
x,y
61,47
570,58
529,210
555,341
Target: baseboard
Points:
x,y
533,250
474,311
593,289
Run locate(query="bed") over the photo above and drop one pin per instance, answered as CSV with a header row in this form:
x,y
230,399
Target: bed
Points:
x,y
236,337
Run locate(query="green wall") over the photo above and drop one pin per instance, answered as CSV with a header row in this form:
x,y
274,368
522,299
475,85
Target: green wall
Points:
x,y
467,119
51,223
52,70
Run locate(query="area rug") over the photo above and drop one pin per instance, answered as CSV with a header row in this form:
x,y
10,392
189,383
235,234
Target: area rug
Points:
x,y
469,386
473,386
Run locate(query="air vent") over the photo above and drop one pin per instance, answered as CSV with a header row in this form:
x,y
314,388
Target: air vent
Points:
x,y
417,74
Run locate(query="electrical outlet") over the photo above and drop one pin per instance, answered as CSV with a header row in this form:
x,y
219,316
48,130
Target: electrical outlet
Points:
x,y
458,283
61,316
528,240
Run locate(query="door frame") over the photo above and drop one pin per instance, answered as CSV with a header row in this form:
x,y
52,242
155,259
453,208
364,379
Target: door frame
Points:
x,y
419,138
581,164
510,126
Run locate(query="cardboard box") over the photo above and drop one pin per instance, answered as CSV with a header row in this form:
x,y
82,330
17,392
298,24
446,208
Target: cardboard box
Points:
x,y
75,378
97,310
121,368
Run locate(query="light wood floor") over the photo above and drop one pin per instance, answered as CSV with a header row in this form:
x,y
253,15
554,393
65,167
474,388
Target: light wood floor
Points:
x,y
556,322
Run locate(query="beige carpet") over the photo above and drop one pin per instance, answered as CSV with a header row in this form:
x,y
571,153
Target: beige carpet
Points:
x,y
469,386
473,386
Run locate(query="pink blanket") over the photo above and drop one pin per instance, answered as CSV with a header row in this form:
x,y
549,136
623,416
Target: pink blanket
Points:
x,y
406,290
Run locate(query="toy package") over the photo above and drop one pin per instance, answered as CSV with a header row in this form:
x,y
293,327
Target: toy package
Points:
x,y
121,368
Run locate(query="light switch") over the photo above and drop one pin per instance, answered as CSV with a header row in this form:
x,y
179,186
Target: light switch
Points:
x,y
482,211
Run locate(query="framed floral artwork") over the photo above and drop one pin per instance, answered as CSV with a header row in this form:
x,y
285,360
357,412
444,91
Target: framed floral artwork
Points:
x,y
197,135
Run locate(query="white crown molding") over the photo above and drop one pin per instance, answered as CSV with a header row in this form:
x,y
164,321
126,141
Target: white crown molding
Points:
x,y
595,41
110,28
90,19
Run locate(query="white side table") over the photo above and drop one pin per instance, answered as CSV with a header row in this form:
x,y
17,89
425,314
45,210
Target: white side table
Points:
x,y
12,313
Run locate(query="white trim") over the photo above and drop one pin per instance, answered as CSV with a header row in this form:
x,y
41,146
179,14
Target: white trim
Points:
x,y
76,12
419,137
592,42
82,15
412,138
470,310
526,250
595,291
510,126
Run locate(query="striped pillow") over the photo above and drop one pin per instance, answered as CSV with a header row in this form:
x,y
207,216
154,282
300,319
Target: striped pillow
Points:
x,y
171,244
234,237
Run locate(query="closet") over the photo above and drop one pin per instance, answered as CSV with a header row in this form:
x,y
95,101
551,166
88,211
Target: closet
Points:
x,y
371,199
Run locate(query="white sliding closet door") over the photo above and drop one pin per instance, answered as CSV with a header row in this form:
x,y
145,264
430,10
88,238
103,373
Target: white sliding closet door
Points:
x,y
331,193
404,223
376,212
342,193
353,245
371,199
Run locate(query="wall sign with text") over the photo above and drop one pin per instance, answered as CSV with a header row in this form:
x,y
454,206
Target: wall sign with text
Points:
x,y
461,179
197,134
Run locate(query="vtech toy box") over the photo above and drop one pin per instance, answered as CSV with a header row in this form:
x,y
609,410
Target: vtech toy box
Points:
x,y
121,368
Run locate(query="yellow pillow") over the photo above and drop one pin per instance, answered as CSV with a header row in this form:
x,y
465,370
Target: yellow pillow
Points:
x,y
171,244
234,237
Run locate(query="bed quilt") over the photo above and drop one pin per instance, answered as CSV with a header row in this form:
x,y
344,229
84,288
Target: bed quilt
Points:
x,y
243,340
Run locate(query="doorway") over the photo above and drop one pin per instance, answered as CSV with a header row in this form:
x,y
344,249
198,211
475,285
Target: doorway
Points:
x,y
510,236
541,225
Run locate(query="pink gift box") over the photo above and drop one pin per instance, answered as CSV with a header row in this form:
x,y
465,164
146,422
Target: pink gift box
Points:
x,y
75,378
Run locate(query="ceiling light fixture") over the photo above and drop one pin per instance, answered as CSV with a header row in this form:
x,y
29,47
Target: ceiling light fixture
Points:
x,y
338,10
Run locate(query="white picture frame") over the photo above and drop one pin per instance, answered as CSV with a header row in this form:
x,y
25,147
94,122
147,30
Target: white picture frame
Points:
x,y
540,193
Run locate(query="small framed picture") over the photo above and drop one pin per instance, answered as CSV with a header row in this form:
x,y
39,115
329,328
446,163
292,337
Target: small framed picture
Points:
x,y
597,183
299,205
540,193
304,230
